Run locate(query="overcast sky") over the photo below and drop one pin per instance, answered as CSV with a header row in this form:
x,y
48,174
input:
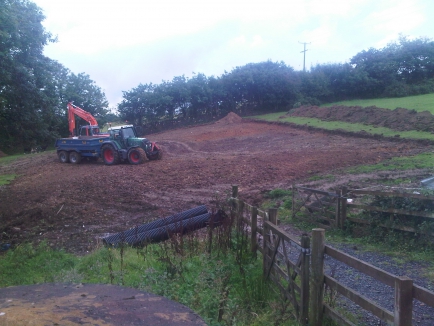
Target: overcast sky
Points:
x,y
122,43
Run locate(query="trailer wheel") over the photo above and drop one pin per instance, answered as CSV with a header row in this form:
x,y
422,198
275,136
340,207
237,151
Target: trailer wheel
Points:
x,y
136,156
74,157
110,155
63,157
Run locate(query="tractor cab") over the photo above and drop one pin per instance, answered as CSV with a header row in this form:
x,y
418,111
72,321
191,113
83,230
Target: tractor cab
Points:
x,y
122,132
126,135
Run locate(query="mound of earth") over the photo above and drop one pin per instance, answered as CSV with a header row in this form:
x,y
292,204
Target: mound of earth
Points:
x,y
399,119
230,119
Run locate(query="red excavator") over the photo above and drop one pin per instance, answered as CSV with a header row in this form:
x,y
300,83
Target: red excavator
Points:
x,y
91,130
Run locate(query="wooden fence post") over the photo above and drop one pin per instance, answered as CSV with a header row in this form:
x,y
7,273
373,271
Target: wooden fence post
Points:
x,y
272,218
343,212
210,229
272,215
317,278
234,206
254,230
240,211
338,209
304,276
264,250
234,191
403,301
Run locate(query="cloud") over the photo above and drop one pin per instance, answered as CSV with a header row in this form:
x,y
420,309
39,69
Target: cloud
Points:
x,y
123,43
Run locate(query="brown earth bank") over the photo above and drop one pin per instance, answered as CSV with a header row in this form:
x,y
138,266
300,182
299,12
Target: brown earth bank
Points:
x,y
73,206
399,119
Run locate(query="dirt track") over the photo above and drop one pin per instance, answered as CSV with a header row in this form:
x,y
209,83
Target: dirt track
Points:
x,y
73,205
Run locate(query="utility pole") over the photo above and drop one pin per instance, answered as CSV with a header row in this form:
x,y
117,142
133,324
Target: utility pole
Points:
x,y
304,55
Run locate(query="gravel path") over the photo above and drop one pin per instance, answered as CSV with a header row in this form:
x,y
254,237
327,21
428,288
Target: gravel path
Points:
x,y
369,287
380,293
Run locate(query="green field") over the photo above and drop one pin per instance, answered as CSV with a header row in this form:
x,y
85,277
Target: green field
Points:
x,y
352,127
419,103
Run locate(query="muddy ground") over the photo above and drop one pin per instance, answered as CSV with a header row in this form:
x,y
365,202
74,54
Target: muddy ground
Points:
x,y
73,206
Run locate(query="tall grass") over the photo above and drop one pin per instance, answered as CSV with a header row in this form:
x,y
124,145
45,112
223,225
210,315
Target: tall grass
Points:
x,y
27,264
218,278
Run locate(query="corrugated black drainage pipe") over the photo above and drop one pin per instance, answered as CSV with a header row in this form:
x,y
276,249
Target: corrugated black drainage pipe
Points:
x,y
118,237
164,233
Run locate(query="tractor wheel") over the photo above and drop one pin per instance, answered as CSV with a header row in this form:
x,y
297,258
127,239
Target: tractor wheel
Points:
x,y
74,157
110,155
136,156
63,157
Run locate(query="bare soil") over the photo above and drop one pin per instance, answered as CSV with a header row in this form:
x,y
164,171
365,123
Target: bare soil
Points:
x,y
73,206
399,119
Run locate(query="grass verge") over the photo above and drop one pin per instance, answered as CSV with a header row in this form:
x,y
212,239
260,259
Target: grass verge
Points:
x,y
351,127
420,161
419,103
6,178
224,286
9,159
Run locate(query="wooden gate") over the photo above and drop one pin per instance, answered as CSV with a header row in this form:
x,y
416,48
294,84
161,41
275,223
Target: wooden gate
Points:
x,y
286,263
321,206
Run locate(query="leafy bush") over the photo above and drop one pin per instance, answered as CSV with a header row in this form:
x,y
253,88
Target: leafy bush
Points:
x,y
278,193
397,89
423,226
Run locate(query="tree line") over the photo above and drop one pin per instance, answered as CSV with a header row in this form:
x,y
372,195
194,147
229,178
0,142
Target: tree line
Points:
x,y
402,68
35,89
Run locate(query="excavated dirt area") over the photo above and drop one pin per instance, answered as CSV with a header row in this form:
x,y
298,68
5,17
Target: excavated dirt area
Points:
x,y
73,206
399,119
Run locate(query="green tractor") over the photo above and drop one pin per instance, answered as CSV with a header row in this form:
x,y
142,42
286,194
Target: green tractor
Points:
x,y
124,145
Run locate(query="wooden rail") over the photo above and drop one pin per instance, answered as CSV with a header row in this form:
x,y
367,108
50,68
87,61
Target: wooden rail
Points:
x,y
307,294
317,209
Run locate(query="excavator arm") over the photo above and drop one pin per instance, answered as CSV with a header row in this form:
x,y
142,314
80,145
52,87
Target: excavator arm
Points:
x,y
74,110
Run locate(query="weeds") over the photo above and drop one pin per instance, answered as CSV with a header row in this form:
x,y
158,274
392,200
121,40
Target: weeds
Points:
x,y
218,279
26,264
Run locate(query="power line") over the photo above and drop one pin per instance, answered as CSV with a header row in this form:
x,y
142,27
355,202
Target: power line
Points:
x,y
304,55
